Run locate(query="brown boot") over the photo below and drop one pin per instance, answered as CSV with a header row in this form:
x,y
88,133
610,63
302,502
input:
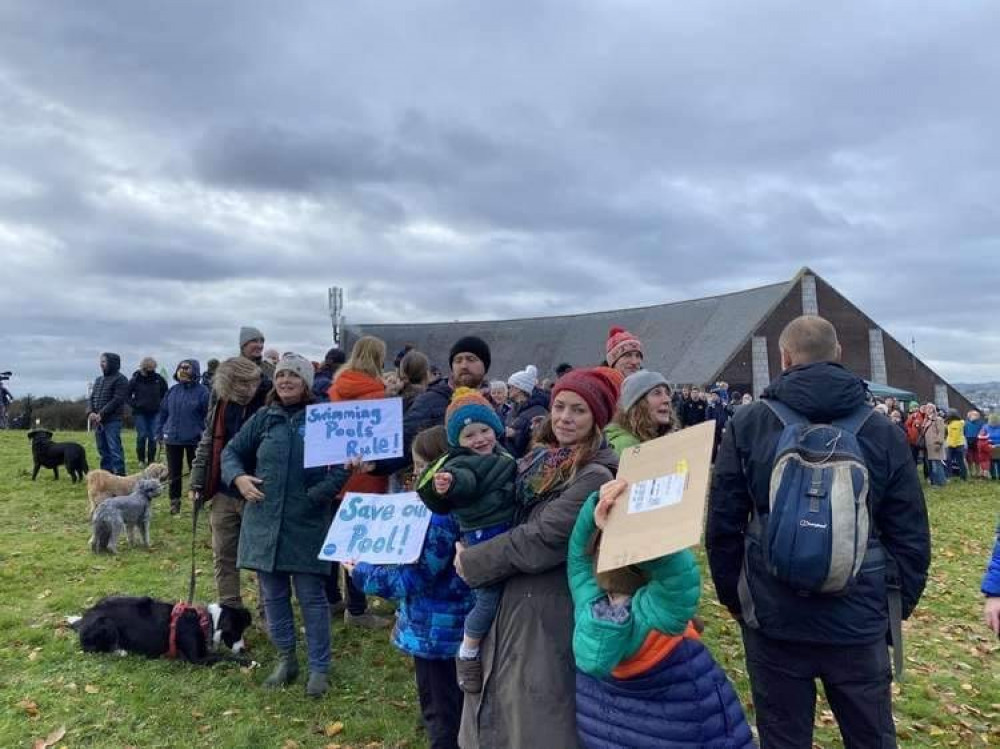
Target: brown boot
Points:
x,y
470,674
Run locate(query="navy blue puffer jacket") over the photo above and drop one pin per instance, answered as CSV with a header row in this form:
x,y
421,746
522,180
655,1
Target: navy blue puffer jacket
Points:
x,y
684,702
182,413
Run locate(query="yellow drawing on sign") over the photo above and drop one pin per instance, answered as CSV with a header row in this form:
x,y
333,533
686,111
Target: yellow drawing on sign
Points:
x,y
681,467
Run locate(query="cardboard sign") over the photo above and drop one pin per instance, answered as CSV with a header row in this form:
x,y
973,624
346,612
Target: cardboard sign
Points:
x,y
664,509
337,432
377,528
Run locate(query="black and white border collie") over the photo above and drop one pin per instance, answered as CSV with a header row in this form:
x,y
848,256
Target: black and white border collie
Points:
x,y
133,624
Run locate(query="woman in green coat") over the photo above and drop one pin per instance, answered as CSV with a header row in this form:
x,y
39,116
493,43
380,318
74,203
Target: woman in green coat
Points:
x,y
644,411
289,509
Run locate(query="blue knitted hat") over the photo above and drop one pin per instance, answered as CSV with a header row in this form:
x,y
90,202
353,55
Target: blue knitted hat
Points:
x,y
469,407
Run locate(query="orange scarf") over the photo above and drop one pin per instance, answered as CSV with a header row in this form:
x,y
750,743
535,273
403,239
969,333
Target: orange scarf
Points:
x,y
656,647
352,385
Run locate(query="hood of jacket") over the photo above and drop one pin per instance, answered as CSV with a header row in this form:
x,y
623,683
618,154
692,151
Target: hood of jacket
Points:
x,y
351,385
195,371
821,392
114,364
538,397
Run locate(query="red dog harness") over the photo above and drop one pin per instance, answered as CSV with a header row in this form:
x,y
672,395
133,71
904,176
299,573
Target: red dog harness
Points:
x,y
204,619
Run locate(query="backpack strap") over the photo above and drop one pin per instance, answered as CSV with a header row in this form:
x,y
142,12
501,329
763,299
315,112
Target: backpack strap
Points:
x,y
786,415
855,420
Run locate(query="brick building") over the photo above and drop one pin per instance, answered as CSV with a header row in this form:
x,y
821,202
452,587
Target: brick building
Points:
x,y
731,337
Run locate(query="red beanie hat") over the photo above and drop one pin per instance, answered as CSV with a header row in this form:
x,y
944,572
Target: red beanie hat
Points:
x,y
621,342
596,387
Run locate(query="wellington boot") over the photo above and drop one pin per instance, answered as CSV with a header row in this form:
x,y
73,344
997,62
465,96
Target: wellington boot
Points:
x,y
284,673
317,684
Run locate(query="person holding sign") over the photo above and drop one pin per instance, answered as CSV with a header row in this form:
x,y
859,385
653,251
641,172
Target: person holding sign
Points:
x,y
359,379
645,411
475,482
433,604
288,511
644,676
528,676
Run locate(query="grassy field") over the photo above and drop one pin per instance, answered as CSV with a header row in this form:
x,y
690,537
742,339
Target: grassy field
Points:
x,y
47,686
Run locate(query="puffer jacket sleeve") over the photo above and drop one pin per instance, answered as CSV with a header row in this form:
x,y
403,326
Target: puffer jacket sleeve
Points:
x,y
242,448
398,581
540,543
668,601
991,580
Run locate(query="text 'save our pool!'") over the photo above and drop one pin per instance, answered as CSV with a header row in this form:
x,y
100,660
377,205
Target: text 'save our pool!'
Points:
x,y
338,432
377,528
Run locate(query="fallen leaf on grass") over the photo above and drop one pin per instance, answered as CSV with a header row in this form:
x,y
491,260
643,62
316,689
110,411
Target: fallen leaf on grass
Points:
x,y
334,728
290,744
44,594
30,707
228,713
51,740
91,689
196,714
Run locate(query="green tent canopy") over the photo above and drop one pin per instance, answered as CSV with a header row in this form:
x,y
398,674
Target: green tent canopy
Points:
x,y
884,391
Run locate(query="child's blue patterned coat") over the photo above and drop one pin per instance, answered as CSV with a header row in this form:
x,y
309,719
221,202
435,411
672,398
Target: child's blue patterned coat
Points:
x,y
433,600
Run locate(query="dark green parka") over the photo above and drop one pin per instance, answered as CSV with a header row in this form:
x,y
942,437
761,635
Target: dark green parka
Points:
x,y
283,532
482,488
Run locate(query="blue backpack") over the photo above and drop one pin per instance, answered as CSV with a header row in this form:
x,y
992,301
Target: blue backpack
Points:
x,y
819,523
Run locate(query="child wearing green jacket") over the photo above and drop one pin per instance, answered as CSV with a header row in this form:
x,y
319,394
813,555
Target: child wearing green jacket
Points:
x,y
474,482
643,676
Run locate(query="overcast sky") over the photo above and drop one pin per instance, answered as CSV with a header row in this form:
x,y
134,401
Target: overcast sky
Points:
x,y
170,171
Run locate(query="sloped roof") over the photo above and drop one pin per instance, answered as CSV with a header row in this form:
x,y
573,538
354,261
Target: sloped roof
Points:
x,y
689,341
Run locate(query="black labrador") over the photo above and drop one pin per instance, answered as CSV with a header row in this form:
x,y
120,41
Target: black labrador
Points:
x,y
49,454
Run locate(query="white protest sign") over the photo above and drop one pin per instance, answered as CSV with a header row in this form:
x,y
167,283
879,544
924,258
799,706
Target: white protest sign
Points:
x,y
377,528
337,432
653,494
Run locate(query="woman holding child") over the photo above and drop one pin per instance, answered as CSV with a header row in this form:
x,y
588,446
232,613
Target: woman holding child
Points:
x,y
528,689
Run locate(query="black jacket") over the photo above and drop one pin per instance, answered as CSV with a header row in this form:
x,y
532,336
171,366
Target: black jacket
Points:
x,y
693,412
521,417
822,392
110,391
146,391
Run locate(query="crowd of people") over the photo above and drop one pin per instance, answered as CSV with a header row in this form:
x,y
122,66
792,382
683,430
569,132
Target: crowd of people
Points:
x,y
517,641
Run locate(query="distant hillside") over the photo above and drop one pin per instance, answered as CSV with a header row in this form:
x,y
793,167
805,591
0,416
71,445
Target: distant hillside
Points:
x,y
983,394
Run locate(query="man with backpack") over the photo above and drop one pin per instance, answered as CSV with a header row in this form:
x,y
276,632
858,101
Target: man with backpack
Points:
x,y
818,543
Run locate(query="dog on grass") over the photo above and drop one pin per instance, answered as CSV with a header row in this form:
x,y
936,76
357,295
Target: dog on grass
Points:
x,y
145,626
130,513
49,454
102,485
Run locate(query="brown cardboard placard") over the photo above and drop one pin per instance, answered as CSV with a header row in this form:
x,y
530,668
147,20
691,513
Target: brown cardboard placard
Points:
x,y
649,531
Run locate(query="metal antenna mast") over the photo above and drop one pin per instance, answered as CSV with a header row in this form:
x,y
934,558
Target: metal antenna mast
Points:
x,y
335,301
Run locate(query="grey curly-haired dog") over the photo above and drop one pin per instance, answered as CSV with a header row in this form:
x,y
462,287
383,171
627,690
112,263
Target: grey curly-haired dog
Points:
x,y
129,513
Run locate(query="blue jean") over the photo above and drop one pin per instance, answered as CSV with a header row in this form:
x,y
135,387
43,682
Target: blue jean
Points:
x,y
995,469
480,617
145,439
938,477
109,446
311,592
957,455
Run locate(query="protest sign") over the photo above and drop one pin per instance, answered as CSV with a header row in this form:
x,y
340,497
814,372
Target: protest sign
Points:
x,y
337,432
664,508
377,528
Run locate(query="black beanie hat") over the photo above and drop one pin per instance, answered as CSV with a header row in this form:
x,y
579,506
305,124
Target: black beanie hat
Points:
x,y
471,344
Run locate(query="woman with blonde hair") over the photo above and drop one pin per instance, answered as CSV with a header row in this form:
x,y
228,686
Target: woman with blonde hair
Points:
x,y
644,412
359,379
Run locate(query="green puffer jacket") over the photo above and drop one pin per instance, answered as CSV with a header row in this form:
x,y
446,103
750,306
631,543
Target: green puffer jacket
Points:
x,y
284,531
665,604
482,490
619,438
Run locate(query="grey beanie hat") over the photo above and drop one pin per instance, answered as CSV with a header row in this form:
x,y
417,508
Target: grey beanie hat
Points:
x,y
297,364
249,333
636,386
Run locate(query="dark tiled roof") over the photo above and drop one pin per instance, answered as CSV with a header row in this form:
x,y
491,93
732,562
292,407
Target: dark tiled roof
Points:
x,y
689,342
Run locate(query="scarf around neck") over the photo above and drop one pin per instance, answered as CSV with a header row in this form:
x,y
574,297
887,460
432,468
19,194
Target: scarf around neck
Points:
x,y
543,471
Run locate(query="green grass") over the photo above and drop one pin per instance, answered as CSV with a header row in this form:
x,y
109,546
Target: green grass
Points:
x,y
951,696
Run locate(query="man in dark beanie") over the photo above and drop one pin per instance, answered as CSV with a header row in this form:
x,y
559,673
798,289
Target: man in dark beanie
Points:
x,y
469,361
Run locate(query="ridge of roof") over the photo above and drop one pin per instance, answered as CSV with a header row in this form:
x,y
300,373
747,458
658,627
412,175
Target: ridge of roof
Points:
x,y
786,284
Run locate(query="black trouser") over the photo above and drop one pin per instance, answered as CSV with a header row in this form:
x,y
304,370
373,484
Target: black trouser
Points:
x,y
856,679
175,465
357,603
440,701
